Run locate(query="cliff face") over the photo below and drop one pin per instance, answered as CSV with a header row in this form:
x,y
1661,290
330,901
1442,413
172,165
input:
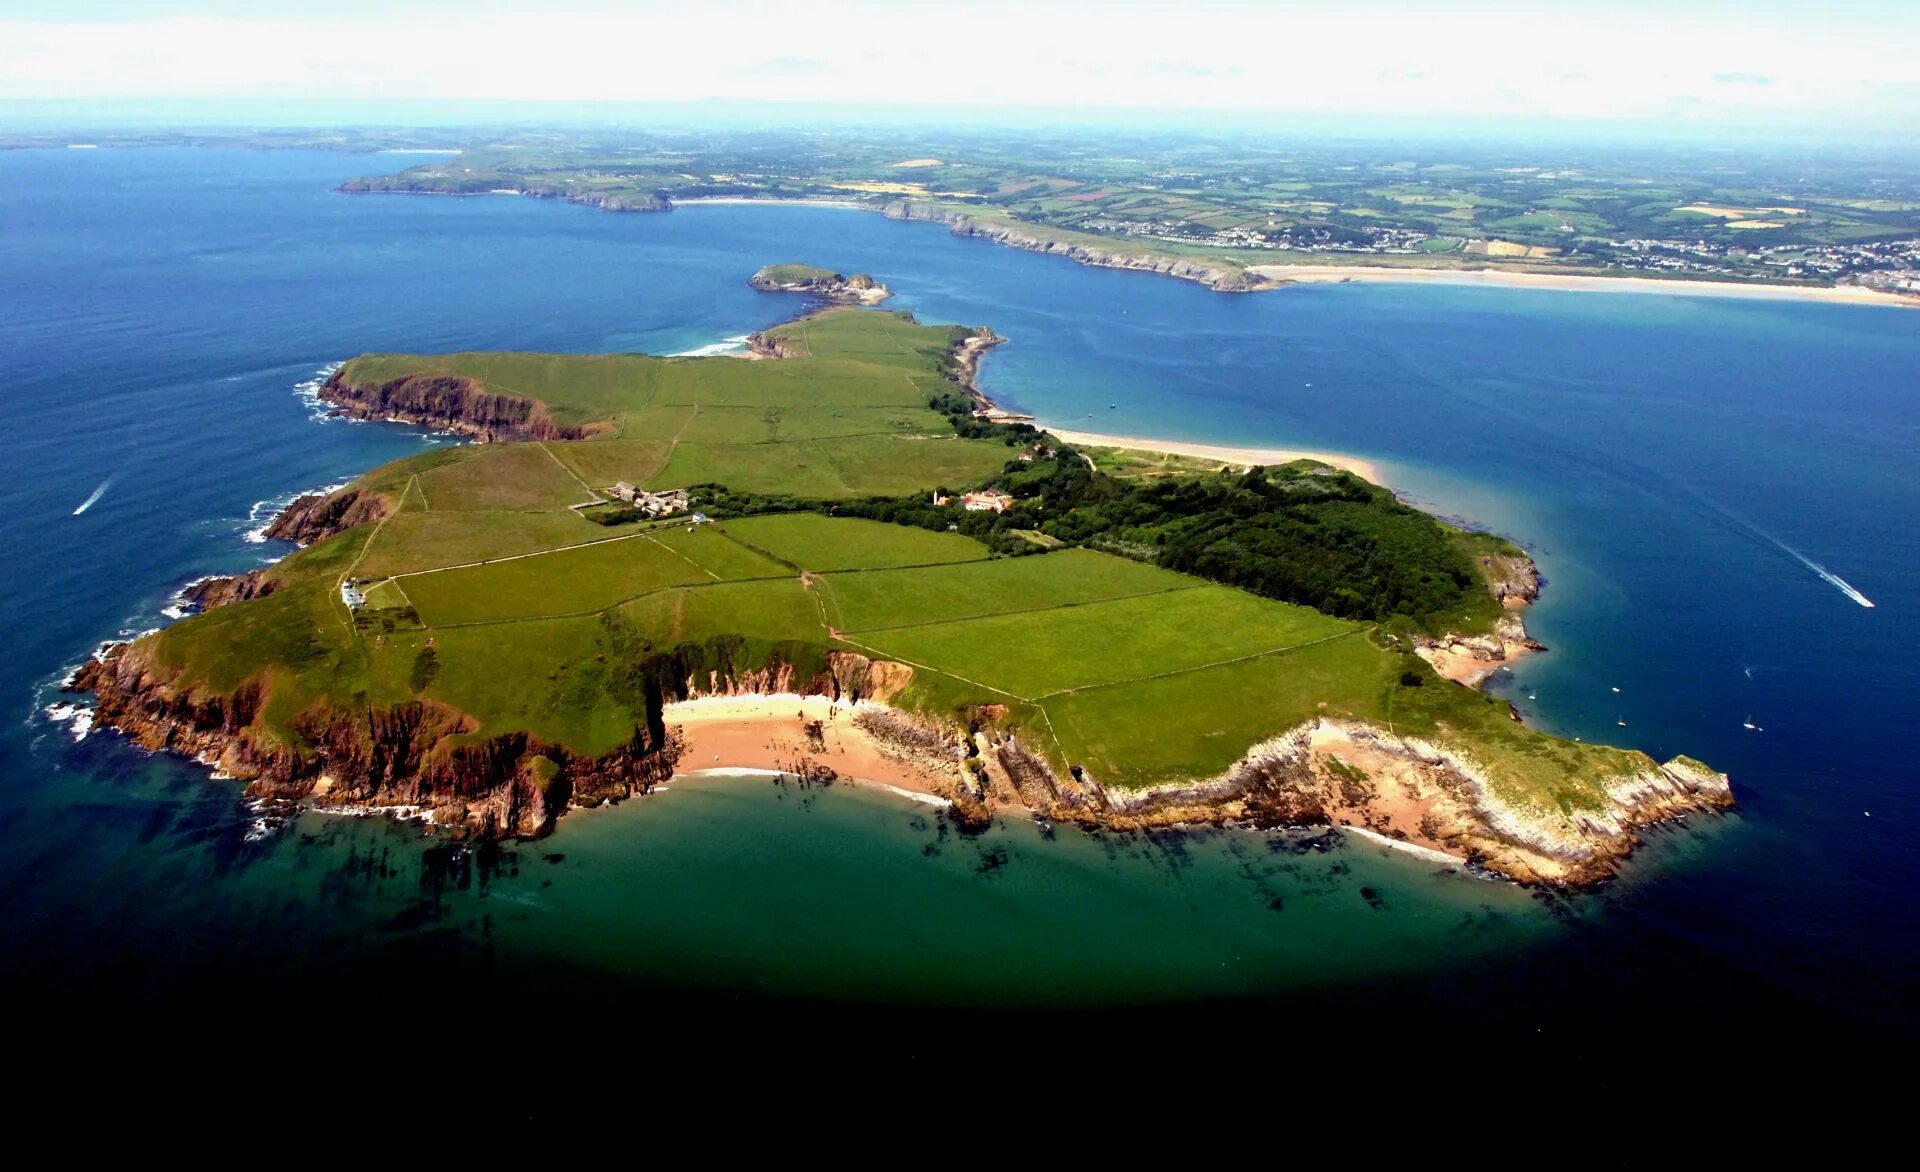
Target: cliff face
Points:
x,y
846,676
1472,659
420,756
208,593
1218,277
320,515
1338,773
447,403
404,756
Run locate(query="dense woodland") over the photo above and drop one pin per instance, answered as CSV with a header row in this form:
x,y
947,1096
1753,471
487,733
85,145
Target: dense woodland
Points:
x,y
1301,533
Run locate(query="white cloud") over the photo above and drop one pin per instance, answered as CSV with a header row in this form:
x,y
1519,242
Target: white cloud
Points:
x,y
1207,54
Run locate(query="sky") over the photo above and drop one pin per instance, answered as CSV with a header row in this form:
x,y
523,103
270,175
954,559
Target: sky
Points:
x,y
1850,66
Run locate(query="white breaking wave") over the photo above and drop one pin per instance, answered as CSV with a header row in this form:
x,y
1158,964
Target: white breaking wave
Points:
x,y
77,717
97,494
733,345
308,391
260,516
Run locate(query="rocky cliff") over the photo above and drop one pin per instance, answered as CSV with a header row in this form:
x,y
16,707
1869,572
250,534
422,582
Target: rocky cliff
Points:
x,y
446,403
418,756
858,289
320,515
208,593
422,756
1223,278
1514,581
1422,794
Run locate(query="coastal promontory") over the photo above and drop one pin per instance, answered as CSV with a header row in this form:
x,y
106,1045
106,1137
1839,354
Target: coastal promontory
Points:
x,y
840,562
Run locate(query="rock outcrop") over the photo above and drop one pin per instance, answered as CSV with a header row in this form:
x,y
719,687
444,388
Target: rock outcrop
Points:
x,y
858,289
1220,277
446,402
1514,580
417,756
1426,795
209,593
320,515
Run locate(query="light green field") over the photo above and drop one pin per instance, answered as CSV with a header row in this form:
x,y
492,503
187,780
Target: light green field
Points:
x,y
870,602
778,610
1037,653
721,556
569,581
847,417
502,476
418,540
813,542
1197,724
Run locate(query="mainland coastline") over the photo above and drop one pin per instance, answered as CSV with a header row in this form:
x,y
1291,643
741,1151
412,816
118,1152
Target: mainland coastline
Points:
x,y
1218,273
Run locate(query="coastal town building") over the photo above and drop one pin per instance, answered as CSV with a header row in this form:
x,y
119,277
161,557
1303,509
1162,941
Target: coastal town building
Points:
x,y
350,594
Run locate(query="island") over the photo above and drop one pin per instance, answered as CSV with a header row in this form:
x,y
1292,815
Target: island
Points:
x,y
842,562
859,289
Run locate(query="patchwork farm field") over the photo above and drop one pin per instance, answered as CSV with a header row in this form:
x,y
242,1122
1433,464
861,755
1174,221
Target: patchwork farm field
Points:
x,y
1118,659
1037,653
810,541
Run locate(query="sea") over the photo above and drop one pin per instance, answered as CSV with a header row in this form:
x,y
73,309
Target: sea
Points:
x,y
1714,488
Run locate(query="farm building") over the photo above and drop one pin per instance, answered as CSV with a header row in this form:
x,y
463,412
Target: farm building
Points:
x,y
987,500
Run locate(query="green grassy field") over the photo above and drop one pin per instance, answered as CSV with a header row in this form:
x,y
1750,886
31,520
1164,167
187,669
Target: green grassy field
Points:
x,y
871,602
579,579
1033,654
848,416
813,542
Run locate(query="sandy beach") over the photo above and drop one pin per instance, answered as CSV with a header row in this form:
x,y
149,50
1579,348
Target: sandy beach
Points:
x,y
1572,282
1224,454
759,732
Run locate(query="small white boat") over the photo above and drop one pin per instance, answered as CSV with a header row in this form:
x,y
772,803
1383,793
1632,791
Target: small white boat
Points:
x,y
1621,723
1748,723
1616,691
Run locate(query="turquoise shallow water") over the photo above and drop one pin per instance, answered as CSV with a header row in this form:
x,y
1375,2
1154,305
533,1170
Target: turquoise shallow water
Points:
x,y
1669,459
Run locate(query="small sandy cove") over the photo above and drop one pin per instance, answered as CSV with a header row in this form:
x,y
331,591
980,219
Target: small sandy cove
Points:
x,y
763,732
1574,282
1226,455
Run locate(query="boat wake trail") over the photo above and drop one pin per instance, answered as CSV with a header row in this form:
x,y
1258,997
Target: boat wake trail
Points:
x,y
97,494
1833,579
1673,490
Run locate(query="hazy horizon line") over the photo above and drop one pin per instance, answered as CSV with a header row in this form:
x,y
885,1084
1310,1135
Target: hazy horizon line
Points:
x,y
446,114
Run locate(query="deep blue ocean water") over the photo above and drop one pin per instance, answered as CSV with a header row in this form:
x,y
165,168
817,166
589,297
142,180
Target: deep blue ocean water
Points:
x,y
1679,465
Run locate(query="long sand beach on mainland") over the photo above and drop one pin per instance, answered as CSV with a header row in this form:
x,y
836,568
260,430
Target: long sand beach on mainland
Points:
x,y
1579,283
1226,454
